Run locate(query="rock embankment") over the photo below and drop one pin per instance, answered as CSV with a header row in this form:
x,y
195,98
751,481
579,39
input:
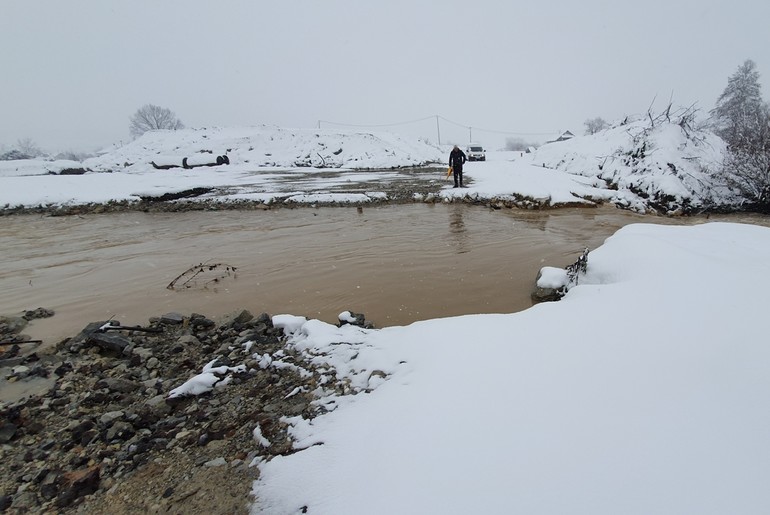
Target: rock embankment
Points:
x,y
108,437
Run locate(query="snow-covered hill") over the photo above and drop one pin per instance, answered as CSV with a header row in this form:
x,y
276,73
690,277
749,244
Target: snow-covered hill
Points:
x,y
270,147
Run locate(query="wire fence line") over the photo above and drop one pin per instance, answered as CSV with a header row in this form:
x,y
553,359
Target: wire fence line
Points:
x,y
510,133
437,118
409,122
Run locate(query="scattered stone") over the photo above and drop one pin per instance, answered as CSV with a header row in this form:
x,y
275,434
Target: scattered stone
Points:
x,y
49,486
107,425
357,319
109,342
217,462
38,313
10,352
20,371
7,432
12,325
188,339
80,428
78,483
118,384
142,353
172,319
25,501
63,369
120,431
82,337
238,318
201,322
108,418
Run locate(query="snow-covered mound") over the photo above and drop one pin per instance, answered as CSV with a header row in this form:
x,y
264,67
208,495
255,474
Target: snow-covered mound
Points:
x,y
270,147
661,164
27,167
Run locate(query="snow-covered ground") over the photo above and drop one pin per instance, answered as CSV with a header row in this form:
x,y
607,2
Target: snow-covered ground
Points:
x,y
632,165
645,390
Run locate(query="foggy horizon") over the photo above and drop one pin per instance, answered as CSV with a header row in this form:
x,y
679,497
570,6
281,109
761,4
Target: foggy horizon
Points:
x,y
74,73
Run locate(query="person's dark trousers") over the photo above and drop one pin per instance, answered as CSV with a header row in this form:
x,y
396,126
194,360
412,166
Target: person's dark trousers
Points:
x,y
458,175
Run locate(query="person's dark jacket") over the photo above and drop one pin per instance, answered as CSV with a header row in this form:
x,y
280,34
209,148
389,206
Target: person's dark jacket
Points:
x,y
457,158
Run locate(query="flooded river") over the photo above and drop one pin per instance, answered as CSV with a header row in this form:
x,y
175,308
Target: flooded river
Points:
x,y
396,264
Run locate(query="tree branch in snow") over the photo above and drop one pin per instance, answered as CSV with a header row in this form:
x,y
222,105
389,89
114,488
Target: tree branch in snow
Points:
x,y
189,278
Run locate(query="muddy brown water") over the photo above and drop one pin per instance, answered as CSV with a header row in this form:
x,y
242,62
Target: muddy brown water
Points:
x,y
395,264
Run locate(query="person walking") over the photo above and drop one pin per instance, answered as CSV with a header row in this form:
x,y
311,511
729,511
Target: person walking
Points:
x,y
456,161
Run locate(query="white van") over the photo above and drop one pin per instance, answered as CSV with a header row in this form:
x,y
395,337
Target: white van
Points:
x,y
476,152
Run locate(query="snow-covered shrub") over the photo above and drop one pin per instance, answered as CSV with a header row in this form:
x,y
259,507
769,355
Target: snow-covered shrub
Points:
x,y
742,119
665,161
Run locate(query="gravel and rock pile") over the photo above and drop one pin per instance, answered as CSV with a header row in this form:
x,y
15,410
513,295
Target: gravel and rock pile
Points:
x,y
108,438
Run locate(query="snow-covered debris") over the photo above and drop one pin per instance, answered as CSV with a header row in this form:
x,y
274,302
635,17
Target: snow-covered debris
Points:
x,y
289,323
331,347
264,146
661,164
201,383
209,378
551,277
259,438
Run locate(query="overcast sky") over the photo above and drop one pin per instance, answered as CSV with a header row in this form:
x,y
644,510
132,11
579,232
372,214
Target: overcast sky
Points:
x,y
72,73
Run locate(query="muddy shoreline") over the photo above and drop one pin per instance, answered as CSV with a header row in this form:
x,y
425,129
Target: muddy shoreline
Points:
x,y
188,201
182,206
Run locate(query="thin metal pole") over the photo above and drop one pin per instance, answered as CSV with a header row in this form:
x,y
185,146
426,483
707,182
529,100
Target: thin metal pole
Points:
x,y
438,130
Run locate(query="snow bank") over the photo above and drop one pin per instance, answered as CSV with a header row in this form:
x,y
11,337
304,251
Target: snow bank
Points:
x,y
29,167
643,391
662,164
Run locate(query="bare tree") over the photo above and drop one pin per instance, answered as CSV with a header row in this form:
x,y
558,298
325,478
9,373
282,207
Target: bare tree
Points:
x,y
151,117
25,148
29,147
72,155
595,125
